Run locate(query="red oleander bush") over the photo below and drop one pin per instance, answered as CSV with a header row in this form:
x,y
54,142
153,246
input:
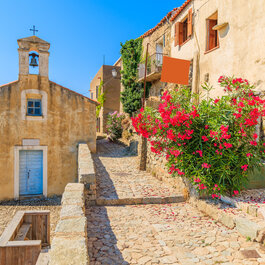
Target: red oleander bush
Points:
x,y
214,143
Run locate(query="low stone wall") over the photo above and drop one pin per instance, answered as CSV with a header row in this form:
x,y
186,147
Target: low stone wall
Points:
x,y
156,165
69,245
86,172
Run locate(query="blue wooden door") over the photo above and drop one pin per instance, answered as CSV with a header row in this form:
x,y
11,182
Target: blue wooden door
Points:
x,y
30,172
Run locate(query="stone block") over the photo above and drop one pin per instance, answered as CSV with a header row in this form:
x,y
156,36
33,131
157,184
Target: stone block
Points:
x,y
73,198
246,227
69,251
74,225
261,212
74,187
227,220
253,210
212,211
69,211
87,178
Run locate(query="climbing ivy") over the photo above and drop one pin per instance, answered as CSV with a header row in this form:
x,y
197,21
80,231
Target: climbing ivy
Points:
x,y
131,54
101,98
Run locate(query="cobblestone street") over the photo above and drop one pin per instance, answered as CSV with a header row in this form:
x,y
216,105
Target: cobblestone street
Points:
x,y
171,233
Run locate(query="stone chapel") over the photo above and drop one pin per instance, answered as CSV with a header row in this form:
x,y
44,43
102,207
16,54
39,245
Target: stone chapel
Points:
x,y
41,125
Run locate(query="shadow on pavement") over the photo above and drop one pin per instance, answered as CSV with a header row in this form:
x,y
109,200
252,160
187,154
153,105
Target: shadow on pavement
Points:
x,y
102,242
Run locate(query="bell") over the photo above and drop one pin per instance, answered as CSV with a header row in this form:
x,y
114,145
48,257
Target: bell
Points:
x,y
33,61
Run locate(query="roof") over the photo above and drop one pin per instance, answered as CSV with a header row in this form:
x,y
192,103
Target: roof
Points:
x,y
180,10
115,64
34,39
163,20
91,100
9,83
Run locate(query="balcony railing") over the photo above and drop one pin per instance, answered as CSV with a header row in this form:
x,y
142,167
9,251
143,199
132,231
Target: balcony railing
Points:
x,y
154,67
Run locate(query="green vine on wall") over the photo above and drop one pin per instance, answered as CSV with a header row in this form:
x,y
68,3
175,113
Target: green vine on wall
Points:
x,y
101,98
131,54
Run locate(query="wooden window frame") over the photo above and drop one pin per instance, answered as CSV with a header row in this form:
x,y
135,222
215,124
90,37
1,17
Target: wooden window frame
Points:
x,y
212,38
183,29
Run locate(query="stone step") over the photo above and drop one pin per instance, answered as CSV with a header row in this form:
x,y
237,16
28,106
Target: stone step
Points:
x,y
142,200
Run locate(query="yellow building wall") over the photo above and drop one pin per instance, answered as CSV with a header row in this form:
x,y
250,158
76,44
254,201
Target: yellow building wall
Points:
x,y
71,119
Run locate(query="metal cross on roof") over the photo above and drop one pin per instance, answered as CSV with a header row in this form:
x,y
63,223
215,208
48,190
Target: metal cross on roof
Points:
x,y
34,30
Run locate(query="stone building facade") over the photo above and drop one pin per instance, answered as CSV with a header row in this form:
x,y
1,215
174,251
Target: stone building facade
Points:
x,y
112,88
224,41
41,125
159,41
219,39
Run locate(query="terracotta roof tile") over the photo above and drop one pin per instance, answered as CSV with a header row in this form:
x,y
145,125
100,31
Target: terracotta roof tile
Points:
x,y
150,31
180,10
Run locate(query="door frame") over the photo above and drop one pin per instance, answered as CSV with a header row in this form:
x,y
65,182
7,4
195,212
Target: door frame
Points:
x,y
44,149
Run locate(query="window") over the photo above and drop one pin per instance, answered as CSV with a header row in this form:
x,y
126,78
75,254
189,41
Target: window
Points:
x,y
212,35
183,30
96,92
91,95
34,107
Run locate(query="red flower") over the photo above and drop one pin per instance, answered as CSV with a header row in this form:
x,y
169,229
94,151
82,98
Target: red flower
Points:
x,y
217,100
199,152
204,138
227,145
253,143
202,187
236,192
205,165
244,167
197,180
255,136
249,154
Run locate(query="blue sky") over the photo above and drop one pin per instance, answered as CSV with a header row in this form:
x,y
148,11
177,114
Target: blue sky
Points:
x,y
80,33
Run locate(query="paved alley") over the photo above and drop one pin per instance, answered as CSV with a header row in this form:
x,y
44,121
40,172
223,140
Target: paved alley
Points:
x,y
162,233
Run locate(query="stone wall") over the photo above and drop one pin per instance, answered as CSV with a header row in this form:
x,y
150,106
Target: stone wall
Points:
x,y
156,165
86,172
69,245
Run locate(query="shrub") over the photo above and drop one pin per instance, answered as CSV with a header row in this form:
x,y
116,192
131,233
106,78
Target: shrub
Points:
x,y
114,127
214,143
126,123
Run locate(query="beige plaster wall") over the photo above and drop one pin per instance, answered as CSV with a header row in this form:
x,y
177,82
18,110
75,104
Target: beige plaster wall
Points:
x,y
240,51
70,120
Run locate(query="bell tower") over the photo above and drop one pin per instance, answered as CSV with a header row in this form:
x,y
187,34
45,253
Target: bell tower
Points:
x,y
33,52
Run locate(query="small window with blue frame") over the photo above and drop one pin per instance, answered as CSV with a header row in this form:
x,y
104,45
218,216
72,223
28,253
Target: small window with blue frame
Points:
x,y
34,107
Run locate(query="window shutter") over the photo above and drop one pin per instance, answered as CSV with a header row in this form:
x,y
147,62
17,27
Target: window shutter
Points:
x,y
177,33
180,33
190,22
212,34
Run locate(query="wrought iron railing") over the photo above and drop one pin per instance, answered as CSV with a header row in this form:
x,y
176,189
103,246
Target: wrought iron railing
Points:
x,y
154,65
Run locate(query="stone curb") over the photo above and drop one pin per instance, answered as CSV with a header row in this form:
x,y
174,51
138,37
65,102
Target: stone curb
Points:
x,y
244,226
249,209
138,201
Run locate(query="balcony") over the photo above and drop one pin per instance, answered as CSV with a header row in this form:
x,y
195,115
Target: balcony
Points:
x,y
154,68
